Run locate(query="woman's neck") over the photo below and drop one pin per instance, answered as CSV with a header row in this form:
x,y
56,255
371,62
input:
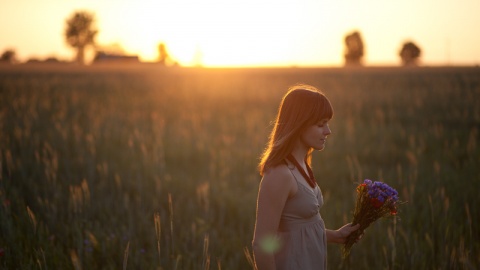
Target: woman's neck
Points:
x,y
300,152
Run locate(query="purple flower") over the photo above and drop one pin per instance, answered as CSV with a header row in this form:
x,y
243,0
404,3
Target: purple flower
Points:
x,y
374,200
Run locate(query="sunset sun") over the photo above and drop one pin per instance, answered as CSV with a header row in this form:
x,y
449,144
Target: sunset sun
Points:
x,y
218,33
212,33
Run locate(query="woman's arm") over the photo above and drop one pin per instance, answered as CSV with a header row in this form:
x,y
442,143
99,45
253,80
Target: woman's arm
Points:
x,y
275,188
340,236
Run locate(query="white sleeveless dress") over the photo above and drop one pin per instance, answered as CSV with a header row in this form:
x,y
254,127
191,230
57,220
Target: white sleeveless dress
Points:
x,y
302,231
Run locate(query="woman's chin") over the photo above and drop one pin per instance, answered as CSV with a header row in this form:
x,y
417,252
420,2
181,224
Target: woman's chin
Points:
x,y
319,148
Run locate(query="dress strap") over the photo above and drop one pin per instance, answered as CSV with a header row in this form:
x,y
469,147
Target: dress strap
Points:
x,y
308,177
301,183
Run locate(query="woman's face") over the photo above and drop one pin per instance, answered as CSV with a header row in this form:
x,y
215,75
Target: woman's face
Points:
x,y
315,135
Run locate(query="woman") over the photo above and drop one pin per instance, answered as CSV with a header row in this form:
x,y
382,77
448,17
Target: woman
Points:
x,y
289,231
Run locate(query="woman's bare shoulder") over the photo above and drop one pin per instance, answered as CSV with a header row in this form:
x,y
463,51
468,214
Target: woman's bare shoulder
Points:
x,y
278,178
280,171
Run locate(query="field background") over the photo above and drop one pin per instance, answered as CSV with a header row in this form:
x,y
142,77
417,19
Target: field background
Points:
x,y
155,168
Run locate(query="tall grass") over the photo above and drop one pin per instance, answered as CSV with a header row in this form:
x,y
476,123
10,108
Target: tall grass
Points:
x,y
156,168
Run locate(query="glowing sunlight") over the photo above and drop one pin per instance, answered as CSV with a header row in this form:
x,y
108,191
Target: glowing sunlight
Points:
x,y
215,33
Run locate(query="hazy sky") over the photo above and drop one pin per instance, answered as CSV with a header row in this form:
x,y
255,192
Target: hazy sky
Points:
x,y
252,32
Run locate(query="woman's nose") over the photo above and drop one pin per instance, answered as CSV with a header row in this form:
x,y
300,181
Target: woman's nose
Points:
x,y
328,131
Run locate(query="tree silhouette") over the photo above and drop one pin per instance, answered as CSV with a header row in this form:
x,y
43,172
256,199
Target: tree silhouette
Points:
x,y
162,54
410,54
354,48
8,56
80,33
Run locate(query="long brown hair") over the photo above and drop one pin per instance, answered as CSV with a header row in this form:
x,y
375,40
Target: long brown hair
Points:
x,y
302,106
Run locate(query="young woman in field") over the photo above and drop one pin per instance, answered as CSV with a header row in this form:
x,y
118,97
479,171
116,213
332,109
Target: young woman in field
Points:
x,y
289,231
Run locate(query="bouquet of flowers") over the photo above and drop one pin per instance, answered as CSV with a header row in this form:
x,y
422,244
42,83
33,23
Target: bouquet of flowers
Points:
x,y
374,200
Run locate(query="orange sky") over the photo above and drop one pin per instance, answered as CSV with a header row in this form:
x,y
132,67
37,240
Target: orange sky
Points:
x,y
252,33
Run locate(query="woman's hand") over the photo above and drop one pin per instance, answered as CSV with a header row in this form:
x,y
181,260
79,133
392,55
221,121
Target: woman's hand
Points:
x,y
340,236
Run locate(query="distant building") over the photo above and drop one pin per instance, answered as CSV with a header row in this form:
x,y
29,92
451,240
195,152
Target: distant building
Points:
x,y
107,58
50,60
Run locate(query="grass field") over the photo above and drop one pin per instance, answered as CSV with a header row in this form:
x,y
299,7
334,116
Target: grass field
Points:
x,y
151,168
